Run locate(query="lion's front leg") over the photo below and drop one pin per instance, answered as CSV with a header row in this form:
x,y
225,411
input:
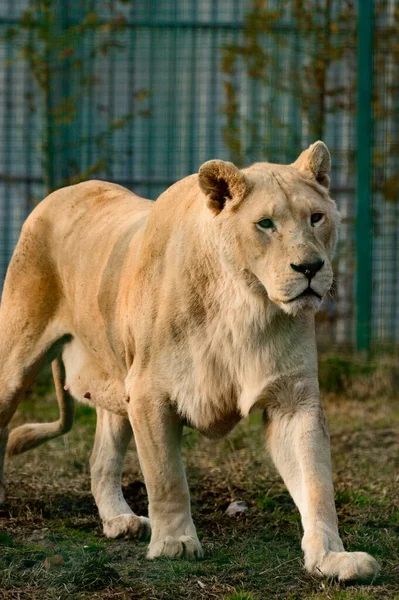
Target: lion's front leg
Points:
x,y
300,447
157,431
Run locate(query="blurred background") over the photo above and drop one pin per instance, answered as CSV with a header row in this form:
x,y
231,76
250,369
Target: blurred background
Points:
x,y
142,92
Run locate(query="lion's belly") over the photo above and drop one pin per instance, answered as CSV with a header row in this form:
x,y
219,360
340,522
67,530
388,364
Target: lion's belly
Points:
x,y
89,383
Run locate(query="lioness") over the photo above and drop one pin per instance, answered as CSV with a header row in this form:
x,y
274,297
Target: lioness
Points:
x,y
193,310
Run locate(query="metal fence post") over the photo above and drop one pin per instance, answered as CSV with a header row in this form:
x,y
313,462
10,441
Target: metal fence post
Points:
x,y
364,179
56,150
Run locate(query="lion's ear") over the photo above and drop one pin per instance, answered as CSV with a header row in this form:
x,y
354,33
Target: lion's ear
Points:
x,y
315,162
222,182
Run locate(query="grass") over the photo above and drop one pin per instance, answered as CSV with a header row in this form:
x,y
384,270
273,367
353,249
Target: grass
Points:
x,y
51,544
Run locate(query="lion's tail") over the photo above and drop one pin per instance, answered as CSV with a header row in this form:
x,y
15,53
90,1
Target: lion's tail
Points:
x,y
30,435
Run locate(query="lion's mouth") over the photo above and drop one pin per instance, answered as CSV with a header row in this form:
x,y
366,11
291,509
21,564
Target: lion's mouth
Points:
x,y
309,292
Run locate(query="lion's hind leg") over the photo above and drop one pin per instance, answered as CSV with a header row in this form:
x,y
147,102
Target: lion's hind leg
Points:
x,y
113,434
30,435
24,350
31,329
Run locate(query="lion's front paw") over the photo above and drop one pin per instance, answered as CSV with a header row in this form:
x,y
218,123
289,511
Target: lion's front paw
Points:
x,y
347,566
184,546
127,526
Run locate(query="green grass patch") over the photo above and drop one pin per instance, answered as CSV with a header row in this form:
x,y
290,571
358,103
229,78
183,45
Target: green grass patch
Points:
x,y
357,378
241,596
352,497
63,567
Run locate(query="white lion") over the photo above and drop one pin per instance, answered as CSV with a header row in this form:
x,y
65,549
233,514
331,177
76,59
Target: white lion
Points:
x,y
193,310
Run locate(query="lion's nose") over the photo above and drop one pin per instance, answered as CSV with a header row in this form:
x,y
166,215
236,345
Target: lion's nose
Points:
x,y
308,269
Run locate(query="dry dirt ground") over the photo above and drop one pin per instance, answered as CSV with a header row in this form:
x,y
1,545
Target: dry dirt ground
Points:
x,y
51,544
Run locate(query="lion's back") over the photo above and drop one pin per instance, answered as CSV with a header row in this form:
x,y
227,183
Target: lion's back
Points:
x,y
95,202
66,241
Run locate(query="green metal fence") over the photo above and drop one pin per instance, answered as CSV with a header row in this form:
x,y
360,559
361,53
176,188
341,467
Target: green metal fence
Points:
x,y
143,92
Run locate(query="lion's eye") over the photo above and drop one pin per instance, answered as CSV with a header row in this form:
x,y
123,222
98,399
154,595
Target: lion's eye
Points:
x,y
265,224
316,218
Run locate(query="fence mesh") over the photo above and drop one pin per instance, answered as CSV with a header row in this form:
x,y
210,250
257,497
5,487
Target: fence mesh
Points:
x,y
143,92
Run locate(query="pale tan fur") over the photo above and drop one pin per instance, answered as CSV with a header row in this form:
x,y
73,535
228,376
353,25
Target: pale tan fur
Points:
x,y
28,436
186,311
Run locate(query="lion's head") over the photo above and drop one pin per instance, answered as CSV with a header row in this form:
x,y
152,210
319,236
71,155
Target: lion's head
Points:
x,y
276,225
